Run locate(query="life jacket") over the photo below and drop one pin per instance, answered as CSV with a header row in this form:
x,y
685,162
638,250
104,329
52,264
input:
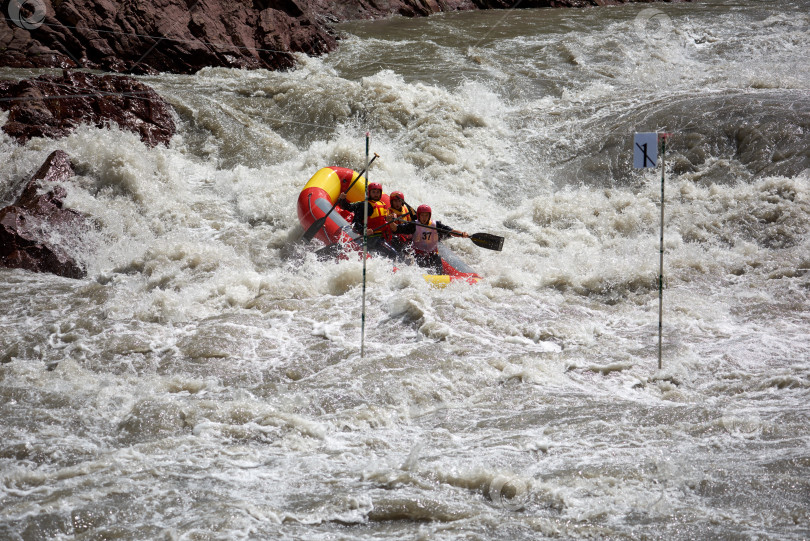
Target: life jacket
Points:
x,y
377,219
424,239
403,214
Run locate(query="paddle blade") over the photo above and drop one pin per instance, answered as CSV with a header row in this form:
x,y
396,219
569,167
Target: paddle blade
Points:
x,y
327,253
310,233
485,240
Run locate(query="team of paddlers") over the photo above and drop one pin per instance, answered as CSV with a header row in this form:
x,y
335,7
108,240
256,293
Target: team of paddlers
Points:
x,y
397,230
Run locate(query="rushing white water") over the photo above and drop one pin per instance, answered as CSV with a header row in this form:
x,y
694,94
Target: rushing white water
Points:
x,y
205,380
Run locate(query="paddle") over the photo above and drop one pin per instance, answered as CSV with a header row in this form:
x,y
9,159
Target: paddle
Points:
x,y
484,240
318,224
332,250
328,252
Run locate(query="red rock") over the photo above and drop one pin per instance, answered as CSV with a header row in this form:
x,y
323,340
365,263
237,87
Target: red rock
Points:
x,y
175,36
28,227
52,106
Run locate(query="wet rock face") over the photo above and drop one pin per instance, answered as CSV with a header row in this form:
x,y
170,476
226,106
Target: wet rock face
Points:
x,y
34,230
177,36
50,106
182,36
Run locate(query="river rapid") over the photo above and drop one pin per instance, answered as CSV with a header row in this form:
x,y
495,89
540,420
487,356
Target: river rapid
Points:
x,y
205,380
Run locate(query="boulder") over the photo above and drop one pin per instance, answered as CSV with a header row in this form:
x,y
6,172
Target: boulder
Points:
x,y
51,106
35,230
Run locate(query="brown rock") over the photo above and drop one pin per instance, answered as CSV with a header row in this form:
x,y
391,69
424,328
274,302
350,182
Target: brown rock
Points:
x,y
29,226
50,106
178,36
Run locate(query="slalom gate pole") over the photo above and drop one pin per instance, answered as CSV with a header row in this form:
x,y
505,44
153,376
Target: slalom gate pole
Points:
x,y
663,139
365,251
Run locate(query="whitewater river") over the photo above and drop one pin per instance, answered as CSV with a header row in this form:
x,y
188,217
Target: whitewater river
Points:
x,y
204,382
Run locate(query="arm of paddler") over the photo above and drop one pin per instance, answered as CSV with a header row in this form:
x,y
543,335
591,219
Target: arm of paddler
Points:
x,y
447,231
406,228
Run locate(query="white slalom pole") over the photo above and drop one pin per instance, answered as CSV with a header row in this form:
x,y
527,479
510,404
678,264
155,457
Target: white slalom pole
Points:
x,y
663,138
644,157
365,250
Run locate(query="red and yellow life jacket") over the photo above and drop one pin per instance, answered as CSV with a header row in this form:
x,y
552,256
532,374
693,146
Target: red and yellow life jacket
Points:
x,y
377,218
403,214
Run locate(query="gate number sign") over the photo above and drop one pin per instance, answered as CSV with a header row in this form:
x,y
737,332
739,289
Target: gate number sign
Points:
x,y
645,150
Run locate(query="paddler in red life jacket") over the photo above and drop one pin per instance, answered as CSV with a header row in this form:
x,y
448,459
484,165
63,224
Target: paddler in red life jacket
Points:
x,y
378,228
425,243
401,212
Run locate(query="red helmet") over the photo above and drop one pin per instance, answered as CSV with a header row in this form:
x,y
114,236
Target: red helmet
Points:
x,y
397,195
374,186
423,208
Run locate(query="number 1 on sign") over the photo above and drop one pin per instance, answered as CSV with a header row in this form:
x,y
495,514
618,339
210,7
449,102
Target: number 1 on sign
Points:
x,y
645,150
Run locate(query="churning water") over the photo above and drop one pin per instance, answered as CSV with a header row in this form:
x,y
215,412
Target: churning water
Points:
x,y
205,380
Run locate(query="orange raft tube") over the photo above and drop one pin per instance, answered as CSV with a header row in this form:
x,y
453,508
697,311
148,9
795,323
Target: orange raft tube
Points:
x,y
320,194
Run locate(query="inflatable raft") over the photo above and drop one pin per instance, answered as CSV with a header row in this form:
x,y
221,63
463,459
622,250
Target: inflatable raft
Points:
x,y
321,193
